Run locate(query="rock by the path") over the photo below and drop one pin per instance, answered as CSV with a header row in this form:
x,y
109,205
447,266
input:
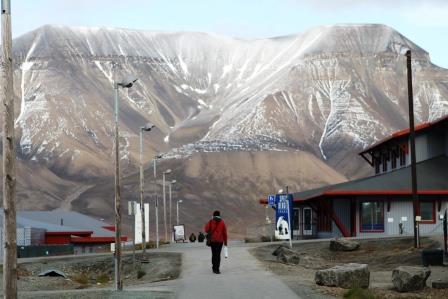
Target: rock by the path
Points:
x,y
343,245
278,250
345,276
408,278
286,255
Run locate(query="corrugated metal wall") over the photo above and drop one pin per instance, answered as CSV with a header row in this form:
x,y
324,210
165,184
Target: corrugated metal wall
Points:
x,y
400,211
341,208
421,147
436,144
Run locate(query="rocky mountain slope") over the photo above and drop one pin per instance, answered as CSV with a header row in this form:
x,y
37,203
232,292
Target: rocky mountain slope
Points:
x,y
323,94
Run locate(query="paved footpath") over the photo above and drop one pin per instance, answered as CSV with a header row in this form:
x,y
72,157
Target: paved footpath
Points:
x,y
242,276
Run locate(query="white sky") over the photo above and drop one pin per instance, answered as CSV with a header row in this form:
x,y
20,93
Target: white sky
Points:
x,y
425,22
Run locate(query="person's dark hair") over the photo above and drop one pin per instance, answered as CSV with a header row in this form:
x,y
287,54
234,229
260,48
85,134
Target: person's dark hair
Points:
x,y
216,213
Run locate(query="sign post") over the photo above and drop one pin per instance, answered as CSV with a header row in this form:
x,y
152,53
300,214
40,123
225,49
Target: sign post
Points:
x,y
283,217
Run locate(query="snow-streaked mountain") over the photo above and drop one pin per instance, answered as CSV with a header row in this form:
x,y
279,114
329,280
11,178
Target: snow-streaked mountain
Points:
x,y
329,91
308,91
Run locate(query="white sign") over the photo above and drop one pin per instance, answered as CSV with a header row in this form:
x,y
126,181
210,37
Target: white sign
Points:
x,y
179,233
282,231
418,218
138,223
404,219
112,247
390,220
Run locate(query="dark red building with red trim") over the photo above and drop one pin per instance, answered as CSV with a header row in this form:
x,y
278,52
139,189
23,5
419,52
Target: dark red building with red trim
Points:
x,y
85,233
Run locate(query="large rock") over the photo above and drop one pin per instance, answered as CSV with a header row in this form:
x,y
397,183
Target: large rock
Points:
x,y
343,245
345,276
407,278
286,255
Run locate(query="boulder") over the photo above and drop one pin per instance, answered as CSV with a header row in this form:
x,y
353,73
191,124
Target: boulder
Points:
x,y
343,245
286,255
408,278
344,276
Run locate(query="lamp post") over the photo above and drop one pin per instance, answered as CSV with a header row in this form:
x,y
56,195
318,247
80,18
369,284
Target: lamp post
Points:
x,y
171,228
168,171
177,211
9,172
156,199
127,83
146,128
415,199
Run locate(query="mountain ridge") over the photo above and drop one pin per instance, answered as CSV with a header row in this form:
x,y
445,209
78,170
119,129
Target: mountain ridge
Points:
x,y
326,93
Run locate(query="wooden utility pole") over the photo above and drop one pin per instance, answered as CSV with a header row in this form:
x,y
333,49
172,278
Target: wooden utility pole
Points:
x,y
9,173
415,199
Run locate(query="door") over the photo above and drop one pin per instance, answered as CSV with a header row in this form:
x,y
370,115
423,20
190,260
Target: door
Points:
x,y
307,222
296,223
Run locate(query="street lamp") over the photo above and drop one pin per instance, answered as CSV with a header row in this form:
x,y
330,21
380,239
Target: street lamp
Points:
x,y
415,200
156,199
177,211
170,186
146,128
127,83
168,171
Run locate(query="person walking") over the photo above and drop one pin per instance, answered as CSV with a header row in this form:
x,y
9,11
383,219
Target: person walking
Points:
x,y
218,231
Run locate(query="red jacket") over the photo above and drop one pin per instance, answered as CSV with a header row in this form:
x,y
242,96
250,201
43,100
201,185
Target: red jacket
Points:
x,y
218,229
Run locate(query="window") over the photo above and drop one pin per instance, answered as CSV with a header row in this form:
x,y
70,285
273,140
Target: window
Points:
x,y
295,219
393,163
427,211
323,221
384,163
372,216
403,151
377,163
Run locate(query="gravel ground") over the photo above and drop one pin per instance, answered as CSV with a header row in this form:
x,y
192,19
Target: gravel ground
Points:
x,y
382,256
92,276
97,294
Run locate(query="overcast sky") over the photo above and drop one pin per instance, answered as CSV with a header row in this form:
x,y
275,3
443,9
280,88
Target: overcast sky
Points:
x,y
425,22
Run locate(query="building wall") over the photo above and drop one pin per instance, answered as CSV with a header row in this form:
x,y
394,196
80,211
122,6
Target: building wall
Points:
x,y
421,147
436,143
446,142
27,236
401,210
91,248
398,209
341,208
57,239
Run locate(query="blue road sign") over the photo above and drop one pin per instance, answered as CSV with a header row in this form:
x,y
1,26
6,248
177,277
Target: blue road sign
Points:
x,y
271,200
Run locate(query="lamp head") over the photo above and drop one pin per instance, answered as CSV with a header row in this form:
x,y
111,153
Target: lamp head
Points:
x,y
147,127
167,171
127,82
280,191
180,201
173,182
159,156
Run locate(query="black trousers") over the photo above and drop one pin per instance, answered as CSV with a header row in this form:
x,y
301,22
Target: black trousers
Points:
x,y
216,255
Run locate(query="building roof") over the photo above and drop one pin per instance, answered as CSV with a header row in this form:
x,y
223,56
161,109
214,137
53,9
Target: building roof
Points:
x,y
431,180
405,132
63,222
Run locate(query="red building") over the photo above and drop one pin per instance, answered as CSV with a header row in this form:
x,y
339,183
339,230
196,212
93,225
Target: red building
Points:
x,y
381,205
85,233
